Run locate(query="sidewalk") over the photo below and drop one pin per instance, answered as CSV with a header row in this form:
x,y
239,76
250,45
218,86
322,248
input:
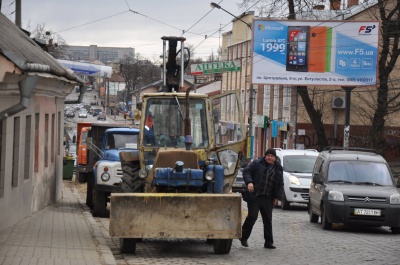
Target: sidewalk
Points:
x,y
64,233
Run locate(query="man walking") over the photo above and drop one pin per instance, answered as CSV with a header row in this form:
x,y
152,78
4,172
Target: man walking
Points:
x,y
264,181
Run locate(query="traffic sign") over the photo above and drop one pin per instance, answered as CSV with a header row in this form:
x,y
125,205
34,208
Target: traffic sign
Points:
x,y
215,67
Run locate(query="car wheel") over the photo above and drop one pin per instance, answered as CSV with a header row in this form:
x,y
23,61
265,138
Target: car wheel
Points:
x,y
326,225
82,177
313,217
99,204
395,230
89,191
285,205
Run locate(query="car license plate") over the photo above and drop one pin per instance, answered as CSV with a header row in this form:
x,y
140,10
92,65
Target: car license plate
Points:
x,y
370,212
237,185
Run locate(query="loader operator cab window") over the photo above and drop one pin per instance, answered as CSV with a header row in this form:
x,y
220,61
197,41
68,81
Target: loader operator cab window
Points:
x,y
149,138
164,125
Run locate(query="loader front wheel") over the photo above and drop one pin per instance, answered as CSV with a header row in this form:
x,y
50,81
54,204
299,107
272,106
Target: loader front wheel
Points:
x,y
222,246
127,245
131,182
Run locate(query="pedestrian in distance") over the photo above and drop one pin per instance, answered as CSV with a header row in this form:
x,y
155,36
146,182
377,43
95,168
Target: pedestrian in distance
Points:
x,y
264,181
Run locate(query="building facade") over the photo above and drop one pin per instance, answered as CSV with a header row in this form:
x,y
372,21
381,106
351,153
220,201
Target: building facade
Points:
x,y
33,88
103,54
277,113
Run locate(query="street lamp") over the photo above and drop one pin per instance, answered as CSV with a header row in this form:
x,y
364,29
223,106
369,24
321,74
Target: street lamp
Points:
x,y
214,5
250,119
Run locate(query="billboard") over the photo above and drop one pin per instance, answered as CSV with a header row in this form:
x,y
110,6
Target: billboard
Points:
x,y
340,53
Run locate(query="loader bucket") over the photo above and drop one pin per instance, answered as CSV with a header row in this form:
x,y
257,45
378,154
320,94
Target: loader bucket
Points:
x,y
175,215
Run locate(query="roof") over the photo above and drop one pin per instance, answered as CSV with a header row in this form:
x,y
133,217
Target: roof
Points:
x,y
158,83
340,155
283,152
27,55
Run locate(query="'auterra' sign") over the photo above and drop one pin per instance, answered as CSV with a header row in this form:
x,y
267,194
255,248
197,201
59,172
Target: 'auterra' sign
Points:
x,y
215,67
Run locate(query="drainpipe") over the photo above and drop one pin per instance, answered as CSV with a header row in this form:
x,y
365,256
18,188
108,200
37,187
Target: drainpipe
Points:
x,y
26,87
82,91
82,88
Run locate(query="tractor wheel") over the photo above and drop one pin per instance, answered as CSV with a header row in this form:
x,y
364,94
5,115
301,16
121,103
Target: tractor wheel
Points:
x,y
131,182
222,246
127,245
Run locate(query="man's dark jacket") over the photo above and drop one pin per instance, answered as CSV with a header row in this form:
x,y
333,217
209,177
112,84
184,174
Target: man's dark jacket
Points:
x,y
253,172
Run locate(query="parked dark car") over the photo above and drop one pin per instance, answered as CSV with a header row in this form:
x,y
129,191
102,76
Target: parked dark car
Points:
x,y
96,112
354,186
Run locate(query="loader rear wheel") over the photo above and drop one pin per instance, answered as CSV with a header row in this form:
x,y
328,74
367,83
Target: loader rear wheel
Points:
x,y
222,246
127,245
100,204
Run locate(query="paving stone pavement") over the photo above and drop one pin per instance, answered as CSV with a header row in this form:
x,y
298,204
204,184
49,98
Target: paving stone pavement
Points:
x,y
298,242
64,233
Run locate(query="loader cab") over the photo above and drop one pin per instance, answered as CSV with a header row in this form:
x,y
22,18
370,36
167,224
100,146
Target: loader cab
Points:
x,y
216,131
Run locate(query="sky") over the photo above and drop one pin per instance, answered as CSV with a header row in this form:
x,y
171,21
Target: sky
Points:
x,y
110,23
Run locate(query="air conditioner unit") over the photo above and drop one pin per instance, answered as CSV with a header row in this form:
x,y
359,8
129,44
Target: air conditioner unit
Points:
x,y
338,102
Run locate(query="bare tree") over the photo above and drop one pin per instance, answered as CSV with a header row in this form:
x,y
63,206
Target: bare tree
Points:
x,y
138,72
53,43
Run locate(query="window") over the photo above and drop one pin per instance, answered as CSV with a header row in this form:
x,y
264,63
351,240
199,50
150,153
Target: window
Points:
x,y
298,163
267,93
28,134
46,140
37,119
2,157
52,143
15,155
170,132
59,130
360,172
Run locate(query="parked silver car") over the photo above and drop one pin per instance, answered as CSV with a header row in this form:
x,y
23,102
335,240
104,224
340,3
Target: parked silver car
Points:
x,y
101,116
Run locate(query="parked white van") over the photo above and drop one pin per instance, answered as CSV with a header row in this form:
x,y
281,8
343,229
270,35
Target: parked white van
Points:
x,y
297,166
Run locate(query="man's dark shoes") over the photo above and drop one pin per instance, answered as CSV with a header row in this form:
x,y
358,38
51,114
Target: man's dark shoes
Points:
x,y
270,246
244,243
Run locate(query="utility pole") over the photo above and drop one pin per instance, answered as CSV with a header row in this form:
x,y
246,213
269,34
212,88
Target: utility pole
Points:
x,y
250,122
347,117
18,13
108,93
